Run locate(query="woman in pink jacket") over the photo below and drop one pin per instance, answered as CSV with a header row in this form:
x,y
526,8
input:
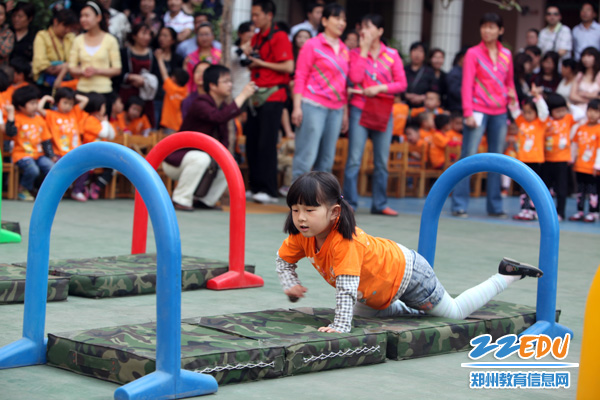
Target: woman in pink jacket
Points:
x,y
320,94
486,85
378,74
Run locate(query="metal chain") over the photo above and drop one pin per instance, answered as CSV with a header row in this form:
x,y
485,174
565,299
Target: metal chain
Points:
x,y
235,367
341,353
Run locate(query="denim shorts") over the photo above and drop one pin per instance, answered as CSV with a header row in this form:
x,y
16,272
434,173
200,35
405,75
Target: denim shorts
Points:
x,y
424,290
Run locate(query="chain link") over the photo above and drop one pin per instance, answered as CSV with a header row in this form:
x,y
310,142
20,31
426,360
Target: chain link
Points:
x,y
236,367
341,353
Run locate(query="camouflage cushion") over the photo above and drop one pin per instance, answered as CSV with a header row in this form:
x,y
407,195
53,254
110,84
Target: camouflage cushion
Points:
x,y
306,349
11,226
502,318
130,274
12,285
415,336
125,353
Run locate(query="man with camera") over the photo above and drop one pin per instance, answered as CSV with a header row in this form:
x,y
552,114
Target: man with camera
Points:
x,y
271,62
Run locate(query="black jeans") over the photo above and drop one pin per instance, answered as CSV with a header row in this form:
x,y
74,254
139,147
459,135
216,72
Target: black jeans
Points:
x,y
556,176
262,130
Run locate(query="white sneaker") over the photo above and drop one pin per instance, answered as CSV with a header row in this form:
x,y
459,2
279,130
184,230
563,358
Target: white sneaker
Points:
x,y
79,196
262,197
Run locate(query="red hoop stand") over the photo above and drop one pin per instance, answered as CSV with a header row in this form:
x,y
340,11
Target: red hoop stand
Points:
x,y
236,277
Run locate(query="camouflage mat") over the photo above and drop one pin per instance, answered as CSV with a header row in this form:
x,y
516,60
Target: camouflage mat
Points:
x,y
415,336
11,226
130,274
125,353
12,285
306,349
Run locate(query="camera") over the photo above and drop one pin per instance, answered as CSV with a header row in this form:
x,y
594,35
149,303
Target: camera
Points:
x,y
244,60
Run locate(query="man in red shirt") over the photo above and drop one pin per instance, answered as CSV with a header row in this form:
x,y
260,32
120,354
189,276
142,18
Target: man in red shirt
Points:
x,y
272,62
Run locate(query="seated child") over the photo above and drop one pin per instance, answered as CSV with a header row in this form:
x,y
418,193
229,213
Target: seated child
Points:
x,y
439,141
415,143
95,127
21,70
399,115
33,143
372,277
64,128
426,124
432,104
584,152
116,109
175,92
456,126
132,121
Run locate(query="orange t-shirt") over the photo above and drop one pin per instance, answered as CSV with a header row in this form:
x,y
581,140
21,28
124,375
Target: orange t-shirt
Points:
x,y
558,142
399,115
531,140
378,262
31,132
64,129
90,128
135,127
424,134
416,148
586,139
437,149
171,112
416,111
454,136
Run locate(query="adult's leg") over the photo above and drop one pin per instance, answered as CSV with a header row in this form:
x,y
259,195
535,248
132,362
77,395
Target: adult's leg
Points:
x,y
193,166
216,190
381,155
331,133
357,137
308,138
263,172
496,134
471,139
28,172
252,132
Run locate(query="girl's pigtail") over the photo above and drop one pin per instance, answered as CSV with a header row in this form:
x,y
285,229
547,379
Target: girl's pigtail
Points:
x,y
347,223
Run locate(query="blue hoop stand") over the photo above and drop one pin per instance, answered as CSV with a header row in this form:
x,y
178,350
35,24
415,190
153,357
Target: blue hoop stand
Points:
x,y
169,381
549,230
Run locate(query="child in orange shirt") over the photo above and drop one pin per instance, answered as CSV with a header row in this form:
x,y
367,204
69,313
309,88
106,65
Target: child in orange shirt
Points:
x,y
33,143
456,127
432,104
532,123
399,116
132,121
415,143
584,147
95,127
64,128
175,92
426,124
557,151
439,141
373,277
116,109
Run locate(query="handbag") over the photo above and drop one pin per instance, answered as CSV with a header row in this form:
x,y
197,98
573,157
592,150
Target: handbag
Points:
x,y
260,97
376,113
207,179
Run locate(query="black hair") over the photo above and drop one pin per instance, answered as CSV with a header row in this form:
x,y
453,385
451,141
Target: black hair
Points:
x,y
205,25
198,65
491,18
296,49
350,32
27,8
65,17
555,101
173,36
596,54
243,28
435,50
333,10
311,7
569,63
534,49
267,6
4,81
64,93
375,19
456,114
458,56
21,65
594,6
103,12
318,188
536,31
412,124
555,57
283,26
422,117
25,94
212,75
134,100
180,76
441,120
96,100
529,101
202,14
416,45
519,66
137,29
594,104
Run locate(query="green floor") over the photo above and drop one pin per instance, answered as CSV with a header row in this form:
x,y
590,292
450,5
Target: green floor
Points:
x,y
468,252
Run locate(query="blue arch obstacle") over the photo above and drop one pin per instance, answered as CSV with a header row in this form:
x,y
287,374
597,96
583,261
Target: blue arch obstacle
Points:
x,y
535,187
169,380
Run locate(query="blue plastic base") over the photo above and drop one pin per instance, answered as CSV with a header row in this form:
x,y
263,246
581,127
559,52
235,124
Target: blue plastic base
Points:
x,y
160,385
551,329
22,353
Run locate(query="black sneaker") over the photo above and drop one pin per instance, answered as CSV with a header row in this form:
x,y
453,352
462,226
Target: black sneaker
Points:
x,y
460,214
509,266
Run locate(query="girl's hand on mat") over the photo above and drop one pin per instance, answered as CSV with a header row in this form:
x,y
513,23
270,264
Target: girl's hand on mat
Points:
x,y
296,291
327,329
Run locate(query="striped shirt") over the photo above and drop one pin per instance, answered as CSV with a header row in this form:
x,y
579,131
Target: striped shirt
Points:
x,y
387,69
485,85
321,74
